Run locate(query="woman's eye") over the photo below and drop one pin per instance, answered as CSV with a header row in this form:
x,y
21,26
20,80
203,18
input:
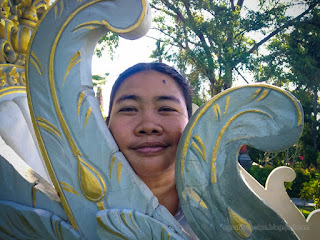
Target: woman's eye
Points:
x,y
167,109
128,109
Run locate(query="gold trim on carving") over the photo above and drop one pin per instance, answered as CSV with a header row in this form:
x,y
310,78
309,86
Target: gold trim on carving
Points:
x,y
131,219
48,126
239,225
182,165
217,111
86,25
100,205
202,152
87,116
58,230
91,182
34,192
26,224
56,10
110,230
263,95
12,92
197,198
66,187
119,167
6,232
256,93
89,25
80,102
74,61
162,233
123,217
34,63
111,165
40,119
227,105
12,88
221,133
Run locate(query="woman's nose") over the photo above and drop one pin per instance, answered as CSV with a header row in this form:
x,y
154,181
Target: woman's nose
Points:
x,y
149,124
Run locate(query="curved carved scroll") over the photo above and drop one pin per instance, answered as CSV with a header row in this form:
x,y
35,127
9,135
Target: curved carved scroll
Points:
x,y
213,195
83,161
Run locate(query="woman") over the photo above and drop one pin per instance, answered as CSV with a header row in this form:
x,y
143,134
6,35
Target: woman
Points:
x,y
150,106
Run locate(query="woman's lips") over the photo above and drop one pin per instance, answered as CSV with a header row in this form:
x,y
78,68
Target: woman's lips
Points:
x,y
150,147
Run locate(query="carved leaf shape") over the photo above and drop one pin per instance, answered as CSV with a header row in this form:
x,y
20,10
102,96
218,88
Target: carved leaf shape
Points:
x,y
262,116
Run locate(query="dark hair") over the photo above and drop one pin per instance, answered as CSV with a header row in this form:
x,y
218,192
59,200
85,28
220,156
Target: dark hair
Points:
x,y
159,67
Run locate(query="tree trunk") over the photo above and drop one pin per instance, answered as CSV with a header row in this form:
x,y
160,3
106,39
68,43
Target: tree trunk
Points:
x,y
315,112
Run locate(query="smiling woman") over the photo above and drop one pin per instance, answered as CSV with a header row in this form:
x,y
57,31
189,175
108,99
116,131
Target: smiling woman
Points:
x,y
150,106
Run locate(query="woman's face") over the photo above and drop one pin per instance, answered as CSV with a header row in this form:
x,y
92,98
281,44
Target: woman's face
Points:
x,y
148,116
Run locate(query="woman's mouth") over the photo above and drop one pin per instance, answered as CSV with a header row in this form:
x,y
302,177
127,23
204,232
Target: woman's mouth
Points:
x,y
150,147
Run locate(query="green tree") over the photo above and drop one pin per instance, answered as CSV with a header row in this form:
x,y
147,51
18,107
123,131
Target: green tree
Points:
x,y
213,39
294,58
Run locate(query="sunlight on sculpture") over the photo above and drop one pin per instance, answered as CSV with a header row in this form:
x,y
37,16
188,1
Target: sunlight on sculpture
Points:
x,y
97,194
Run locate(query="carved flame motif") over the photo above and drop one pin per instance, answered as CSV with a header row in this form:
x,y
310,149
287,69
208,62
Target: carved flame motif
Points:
x,y
92,184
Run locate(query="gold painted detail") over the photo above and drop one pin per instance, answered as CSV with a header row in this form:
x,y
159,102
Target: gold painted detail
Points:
x,y
56,10
94,24
34,192
217,111
110,230
66,187
26,223
201,151
119,167
11,75
87,116
163,234
48,126
17,22
241,227
263,95
256,94
76,58
220,135
182,166
227,105
100,205
36,63
111,165
91,182
12,90
58,229
123,217
197,198
6,232
131,219
80,100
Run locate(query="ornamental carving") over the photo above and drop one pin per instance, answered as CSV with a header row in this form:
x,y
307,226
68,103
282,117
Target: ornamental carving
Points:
x,y
18,21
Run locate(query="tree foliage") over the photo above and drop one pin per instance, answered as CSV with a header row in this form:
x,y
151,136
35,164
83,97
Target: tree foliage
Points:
x,y
214,39
293,59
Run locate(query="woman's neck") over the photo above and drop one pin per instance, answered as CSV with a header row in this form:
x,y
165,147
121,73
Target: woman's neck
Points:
x,y
164,188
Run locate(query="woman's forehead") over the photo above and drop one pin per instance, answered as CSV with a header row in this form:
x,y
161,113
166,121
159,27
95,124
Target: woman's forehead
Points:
x,y
149,83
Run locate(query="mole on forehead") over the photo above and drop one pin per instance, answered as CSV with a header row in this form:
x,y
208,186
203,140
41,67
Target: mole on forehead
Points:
x,y
164,81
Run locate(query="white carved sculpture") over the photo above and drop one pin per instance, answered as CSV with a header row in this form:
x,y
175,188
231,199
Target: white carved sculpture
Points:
x,y
99,195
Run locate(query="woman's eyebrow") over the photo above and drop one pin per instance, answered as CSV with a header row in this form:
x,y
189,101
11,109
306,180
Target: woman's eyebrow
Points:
x,y
127,97
167,97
